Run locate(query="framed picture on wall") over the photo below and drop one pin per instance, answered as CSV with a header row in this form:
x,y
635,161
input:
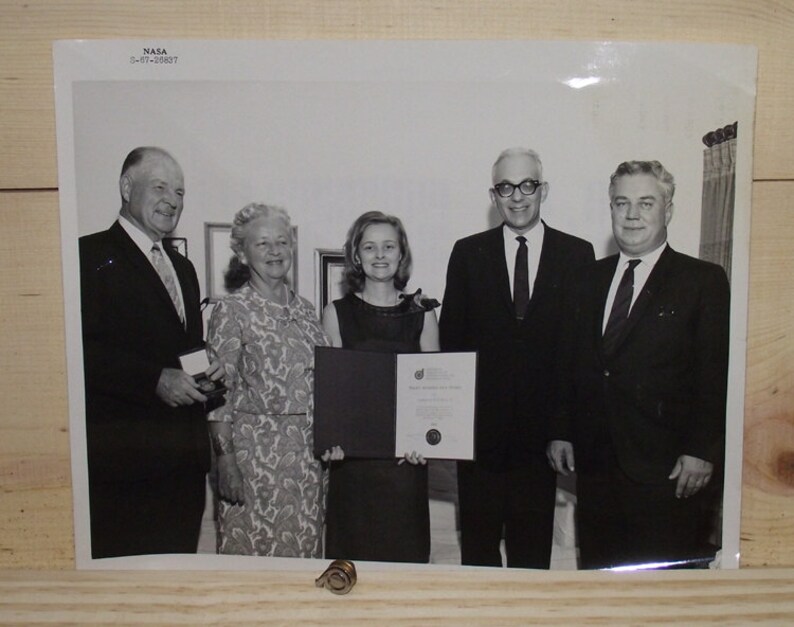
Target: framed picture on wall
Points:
x,y
220,262
329,267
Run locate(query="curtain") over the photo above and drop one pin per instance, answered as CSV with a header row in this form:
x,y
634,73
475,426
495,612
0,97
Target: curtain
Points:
x,y
719,188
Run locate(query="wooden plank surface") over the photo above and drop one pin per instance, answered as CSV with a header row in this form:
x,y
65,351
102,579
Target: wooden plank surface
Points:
x,y
768,472
413,598
35,501
35,492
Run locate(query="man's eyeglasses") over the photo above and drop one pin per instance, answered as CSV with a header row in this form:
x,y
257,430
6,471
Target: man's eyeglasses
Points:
x,y
527,187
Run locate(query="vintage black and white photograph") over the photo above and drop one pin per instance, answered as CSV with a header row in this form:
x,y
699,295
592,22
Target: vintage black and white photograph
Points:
x,y
576,214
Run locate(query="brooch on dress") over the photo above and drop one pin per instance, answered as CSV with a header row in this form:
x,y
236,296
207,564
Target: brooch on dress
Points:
x,y
420,300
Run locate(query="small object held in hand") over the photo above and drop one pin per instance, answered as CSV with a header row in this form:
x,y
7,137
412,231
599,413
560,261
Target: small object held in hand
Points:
x,y
208,387
339,577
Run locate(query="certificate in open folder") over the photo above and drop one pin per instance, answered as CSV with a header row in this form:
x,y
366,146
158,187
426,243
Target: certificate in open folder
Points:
x,y
384,405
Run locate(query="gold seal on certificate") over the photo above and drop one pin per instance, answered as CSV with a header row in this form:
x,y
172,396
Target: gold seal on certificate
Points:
x,y
433,437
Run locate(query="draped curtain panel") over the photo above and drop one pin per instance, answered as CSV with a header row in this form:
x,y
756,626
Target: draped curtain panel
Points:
x,y
719,187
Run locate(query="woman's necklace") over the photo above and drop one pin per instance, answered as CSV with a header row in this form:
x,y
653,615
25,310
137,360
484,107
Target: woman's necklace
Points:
x,y
392,300
281,298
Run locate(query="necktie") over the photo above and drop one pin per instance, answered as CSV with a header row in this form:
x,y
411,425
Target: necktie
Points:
x,y
167,278
620,308
521,278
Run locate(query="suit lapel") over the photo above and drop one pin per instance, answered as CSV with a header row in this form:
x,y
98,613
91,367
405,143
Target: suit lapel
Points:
x,y
656,280
548,267
496,267
146,272
189,294
601,291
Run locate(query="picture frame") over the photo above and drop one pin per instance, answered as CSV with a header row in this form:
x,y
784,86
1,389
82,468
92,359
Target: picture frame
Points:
x,y
329,267
219,254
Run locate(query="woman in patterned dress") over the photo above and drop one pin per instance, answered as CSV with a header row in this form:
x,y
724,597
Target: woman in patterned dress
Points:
x,y
378,508
269,483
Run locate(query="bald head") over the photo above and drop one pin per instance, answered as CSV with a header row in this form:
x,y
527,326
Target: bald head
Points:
x,y
152,189
514,170
517,154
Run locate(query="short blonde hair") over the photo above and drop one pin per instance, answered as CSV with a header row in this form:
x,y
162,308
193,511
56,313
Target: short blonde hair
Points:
x,y
518,152
249,213
654,168
237,273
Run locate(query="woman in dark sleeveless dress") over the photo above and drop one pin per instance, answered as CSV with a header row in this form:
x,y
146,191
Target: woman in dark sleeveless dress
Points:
x,y
378,508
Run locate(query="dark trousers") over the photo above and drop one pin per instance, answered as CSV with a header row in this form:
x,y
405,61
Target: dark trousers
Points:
x,y
151,516
621,522
515,503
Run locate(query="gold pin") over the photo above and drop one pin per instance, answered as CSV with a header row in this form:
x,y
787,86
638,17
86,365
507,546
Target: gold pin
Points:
x,y
339,577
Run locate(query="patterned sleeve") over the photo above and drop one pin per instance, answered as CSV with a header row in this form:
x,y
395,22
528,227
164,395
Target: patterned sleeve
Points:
x,y
224,341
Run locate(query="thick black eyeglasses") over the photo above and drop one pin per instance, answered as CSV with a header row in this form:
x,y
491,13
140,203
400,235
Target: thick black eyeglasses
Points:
x,y
527,187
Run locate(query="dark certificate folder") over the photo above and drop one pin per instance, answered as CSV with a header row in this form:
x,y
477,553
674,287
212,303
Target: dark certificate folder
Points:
x,y
382,405
354,402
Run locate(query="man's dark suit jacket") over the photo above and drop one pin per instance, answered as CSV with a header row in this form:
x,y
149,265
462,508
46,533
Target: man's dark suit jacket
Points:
x,y
661,394
515,374
131,331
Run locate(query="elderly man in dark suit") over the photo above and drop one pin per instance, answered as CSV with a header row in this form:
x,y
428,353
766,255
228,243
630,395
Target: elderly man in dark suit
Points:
x,y
146,432
503,299
643,374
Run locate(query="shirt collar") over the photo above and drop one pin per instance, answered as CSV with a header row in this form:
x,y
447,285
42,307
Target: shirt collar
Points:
x,y
534,235
648,258
140,238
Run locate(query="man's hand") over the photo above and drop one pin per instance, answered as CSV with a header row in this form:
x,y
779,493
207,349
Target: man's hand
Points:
x,y
176,387
230,479
693,475
560,456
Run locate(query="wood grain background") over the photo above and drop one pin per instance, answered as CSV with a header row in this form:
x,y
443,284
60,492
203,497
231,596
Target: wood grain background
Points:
x,y
35,495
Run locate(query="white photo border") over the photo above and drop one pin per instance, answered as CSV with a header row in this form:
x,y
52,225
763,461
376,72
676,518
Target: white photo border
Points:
x,y
431,162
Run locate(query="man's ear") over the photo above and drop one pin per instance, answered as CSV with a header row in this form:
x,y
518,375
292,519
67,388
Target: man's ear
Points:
x,y
125,186
668,213
544,190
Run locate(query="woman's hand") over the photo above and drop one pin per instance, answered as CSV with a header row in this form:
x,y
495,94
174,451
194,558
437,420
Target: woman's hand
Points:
x,y
215,372
230,480
335,454
413,458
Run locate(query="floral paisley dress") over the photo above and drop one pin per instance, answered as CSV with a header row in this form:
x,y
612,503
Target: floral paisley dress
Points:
x,y
267,351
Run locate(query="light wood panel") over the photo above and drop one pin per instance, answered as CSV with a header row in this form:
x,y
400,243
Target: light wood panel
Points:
x,y
35,494
413,598
28,28
35,506
768,506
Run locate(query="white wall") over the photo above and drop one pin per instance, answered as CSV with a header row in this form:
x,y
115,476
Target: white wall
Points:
x,y
416,147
